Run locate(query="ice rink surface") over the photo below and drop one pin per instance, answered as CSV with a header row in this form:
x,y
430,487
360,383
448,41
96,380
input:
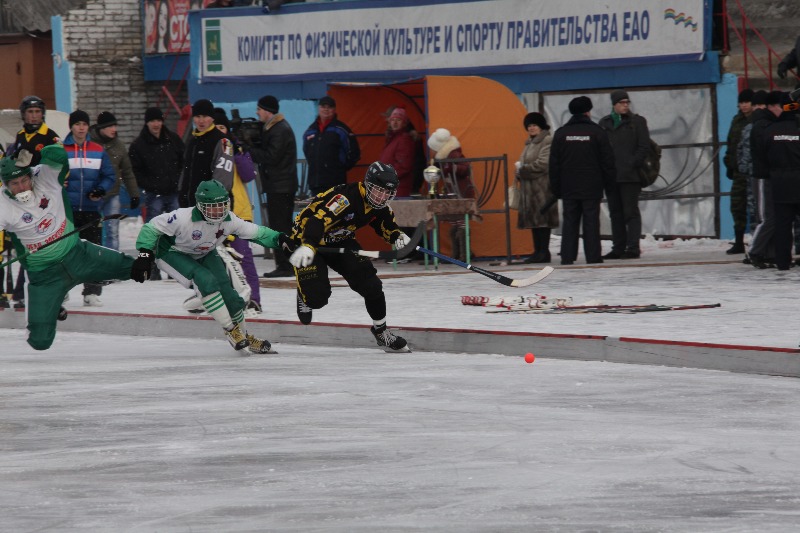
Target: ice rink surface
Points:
x,y
148,434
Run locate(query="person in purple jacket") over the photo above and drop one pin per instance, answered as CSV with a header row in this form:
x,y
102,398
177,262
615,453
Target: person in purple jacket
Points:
x,y
91,175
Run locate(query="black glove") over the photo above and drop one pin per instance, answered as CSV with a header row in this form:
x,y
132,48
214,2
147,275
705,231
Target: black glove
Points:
x,y
96,194
287,244
143,265
134,202
782,70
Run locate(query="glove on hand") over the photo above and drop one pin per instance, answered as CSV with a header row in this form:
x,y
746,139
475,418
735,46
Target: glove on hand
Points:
x,y
782,70
143,265
287,244
134,202
402,240
96,194
302,257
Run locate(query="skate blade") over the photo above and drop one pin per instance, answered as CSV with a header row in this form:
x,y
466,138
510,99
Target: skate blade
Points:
x,y
270,352
404,349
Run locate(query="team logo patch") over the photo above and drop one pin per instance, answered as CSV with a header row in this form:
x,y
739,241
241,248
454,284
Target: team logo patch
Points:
x,y
39,146
197,235
350,216
337,204
204,247
46,224
44,203
27,218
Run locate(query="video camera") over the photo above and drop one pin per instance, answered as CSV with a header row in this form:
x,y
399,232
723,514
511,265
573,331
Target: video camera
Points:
x,y
247,130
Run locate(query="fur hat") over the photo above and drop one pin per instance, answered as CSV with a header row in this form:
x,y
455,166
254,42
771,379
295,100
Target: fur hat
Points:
x,y
78,116
778,98
442,141
746,95
537,119
580,105
760,98
269,103
619,94
203,107
153,113
106,119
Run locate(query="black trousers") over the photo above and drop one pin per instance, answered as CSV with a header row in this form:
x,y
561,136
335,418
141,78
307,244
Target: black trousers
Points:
x,y
93,234
587,214
280,209
626,219
784,218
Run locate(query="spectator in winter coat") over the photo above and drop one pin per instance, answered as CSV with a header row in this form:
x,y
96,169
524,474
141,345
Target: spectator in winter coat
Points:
x,y
739,185
91,175
330,147
534,187
157,159
630,140
399,151
277,161
209,155
581,167
105,133
791,60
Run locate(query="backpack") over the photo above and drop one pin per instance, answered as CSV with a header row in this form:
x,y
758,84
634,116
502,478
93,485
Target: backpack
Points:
x,y
648,172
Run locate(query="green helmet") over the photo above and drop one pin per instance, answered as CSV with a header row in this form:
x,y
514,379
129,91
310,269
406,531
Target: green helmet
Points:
x,y
9,169
213,200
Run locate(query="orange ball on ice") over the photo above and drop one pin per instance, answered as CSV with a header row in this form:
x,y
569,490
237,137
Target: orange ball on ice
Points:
x,y
529,357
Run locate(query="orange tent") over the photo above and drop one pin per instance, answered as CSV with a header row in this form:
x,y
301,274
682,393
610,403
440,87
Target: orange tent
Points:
x,y
485,116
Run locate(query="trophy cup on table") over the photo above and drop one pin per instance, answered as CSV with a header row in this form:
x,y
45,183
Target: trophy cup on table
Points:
x,y
432,175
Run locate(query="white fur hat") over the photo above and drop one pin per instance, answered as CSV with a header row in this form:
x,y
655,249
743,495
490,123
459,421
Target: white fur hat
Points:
x,y
439,138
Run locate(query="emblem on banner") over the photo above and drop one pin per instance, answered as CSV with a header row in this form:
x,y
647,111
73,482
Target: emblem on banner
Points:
x,y
213,45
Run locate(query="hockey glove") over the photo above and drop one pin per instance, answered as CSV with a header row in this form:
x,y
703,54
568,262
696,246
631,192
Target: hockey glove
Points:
x,y
402,240
302,257
142,265
287,245
96,194
134,202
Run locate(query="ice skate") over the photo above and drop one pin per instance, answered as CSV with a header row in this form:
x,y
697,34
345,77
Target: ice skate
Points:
x,y
237,337
303,311
62,314
388,340
259,346
252,310
92,300
194,304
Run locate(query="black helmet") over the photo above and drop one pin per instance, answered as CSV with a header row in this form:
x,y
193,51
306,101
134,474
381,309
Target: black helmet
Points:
x,y
381,184
31,101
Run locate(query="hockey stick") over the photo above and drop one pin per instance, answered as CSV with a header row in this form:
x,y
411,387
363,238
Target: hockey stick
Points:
x,y
383,254
509,282
602,309
73,232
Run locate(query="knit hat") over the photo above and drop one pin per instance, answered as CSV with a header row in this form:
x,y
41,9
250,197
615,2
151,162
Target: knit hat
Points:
x,y
580,105
399,112
269,103
778,98
106,119
221,118
203,107
746,95
760,98
78,116
328,101
440,138
617,95
153,113
537,119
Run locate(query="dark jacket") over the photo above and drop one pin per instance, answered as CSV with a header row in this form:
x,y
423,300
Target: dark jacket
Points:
x,y
792,59
121,162
630,140
330,153
782,142
157,161
581,160
761,118
33,142
734,136
209,155
277,157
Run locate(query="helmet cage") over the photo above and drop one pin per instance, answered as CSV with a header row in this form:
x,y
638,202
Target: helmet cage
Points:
x,y
29,102
214,211
377,196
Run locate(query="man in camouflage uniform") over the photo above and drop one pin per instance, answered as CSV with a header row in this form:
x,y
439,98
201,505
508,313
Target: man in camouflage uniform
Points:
x,y
739,185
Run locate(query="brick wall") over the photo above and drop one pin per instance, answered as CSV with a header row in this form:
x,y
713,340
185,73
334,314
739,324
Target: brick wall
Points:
x,y
103,42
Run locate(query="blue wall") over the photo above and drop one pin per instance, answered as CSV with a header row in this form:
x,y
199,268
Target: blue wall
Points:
x,y
727,107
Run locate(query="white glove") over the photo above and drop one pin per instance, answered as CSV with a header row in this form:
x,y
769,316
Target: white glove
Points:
x,y
402,240
302,257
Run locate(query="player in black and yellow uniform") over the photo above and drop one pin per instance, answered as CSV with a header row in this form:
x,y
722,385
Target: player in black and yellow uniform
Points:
x,y
332,218
35,134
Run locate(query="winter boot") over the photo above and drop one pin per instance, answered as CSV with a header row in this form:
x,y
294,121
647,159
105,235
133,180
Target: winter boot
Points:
x,y
541,244
259,346
738,245
237,337
303,311
388,340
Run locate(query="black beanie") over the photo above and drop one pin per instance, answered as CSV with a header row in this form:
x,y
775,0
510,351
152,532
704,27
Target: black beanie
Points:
x,y
221,118
153,113
778,98
269,103
78,116
746,95
537,119
580,105
106,119
760,98
203,107
619,94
